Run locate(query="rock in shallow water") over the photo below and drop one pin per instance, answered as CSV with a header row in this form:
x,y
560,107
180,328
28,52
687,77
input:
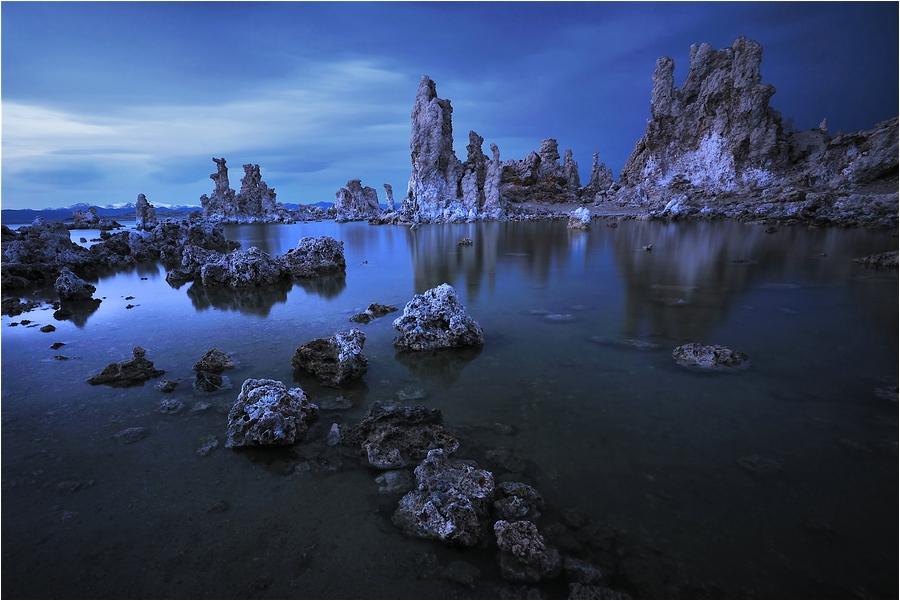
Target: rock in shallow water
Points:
x,y
334,360
526,555
436,319
709,357
127,373
267,413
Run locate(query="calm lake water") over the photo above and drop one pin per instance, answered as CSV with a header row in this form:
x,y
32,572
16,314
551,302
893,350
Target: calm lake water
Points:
x,y
776,481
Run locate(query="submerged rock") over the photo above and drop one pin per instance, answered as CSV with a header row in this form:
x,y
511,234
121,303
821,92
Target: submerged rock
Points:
x,y
436,319
451,504
886,259
214,361
127,373
392,435
715,357
334,360
374,311
526,555
267,413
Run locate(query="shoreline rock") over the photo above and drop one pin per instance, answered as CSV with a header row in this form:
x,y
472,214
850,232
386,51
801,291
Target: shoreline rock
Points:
x,y
267,413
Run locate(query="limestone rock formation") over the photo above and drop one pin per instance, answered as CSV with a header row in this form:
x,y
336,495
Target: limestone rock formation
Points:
x,y
127,373
239,268
451,503
355,203
601,183
525,554
254,203
436,319
267,413
713,356
393,435
715,147
886,259
71,287
144,213
442,188
335,360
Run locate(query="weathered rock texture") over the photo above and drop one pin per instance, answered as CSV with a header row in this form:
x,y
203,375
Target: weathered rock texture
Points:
x,y
715,147
374,311
37,253
452,503
711,356
312,257
267,413
525,554
355,203
127,373
214,361
392,435
442,188
71,287
144,214
254,203
335,360
436,319
580,219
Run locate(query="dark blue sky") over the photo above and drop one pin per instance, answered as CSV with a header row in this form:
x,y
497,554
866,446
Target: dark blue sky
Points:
x,y
103,101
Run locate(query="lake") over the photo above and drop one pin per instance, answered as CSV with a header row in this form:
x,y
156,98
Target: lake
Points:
x,y
777,481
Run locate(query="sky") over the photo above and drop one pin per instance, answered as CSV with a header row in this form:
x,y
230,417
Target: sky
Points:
x,y
105,101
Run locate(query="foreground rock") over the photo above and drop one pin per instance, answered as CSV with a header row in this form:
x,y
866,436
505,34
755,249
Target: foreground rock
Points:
x,y
436,319
715,148
127,373
392,436
580,219
267,413
711,357
335,360
525,554
70,287
451,504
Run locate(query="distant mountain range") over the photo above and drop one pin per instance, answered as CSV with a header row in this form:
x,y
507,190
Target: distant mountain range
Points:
x,y
124,212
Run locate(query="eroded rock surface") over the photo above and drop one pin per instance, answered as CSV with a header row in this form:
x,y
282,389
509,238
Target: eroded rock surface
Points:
x,y
436,319
715,148
335,360
526,555
70,287
580,219
374,311
127,373
886,259
356,203
144,213
392,435
451,503
267,413
254,203
214,361
712,356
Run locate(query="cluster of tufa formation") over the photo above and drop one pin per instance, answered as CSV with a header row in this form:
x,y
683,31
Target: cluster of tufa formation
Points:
x,y
715,148
254,203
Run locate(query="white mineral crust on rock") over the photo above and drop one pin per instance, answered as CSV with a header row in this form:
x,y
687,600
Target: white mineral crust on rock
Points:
x,y
436,319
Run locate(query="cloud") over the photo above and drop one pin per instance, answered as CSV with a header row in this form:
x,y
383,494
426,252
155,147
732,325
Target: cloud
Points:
x,y
311,122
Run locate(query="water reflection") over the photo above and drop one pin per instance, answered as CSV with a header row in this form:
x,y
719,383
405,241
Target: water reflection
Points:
x,y
442,366
77,312
257,300
326,286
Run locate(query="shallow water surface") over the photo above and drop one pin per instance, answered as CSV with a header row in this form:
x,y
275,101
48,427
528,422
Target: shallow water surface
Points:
x,y
780,480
